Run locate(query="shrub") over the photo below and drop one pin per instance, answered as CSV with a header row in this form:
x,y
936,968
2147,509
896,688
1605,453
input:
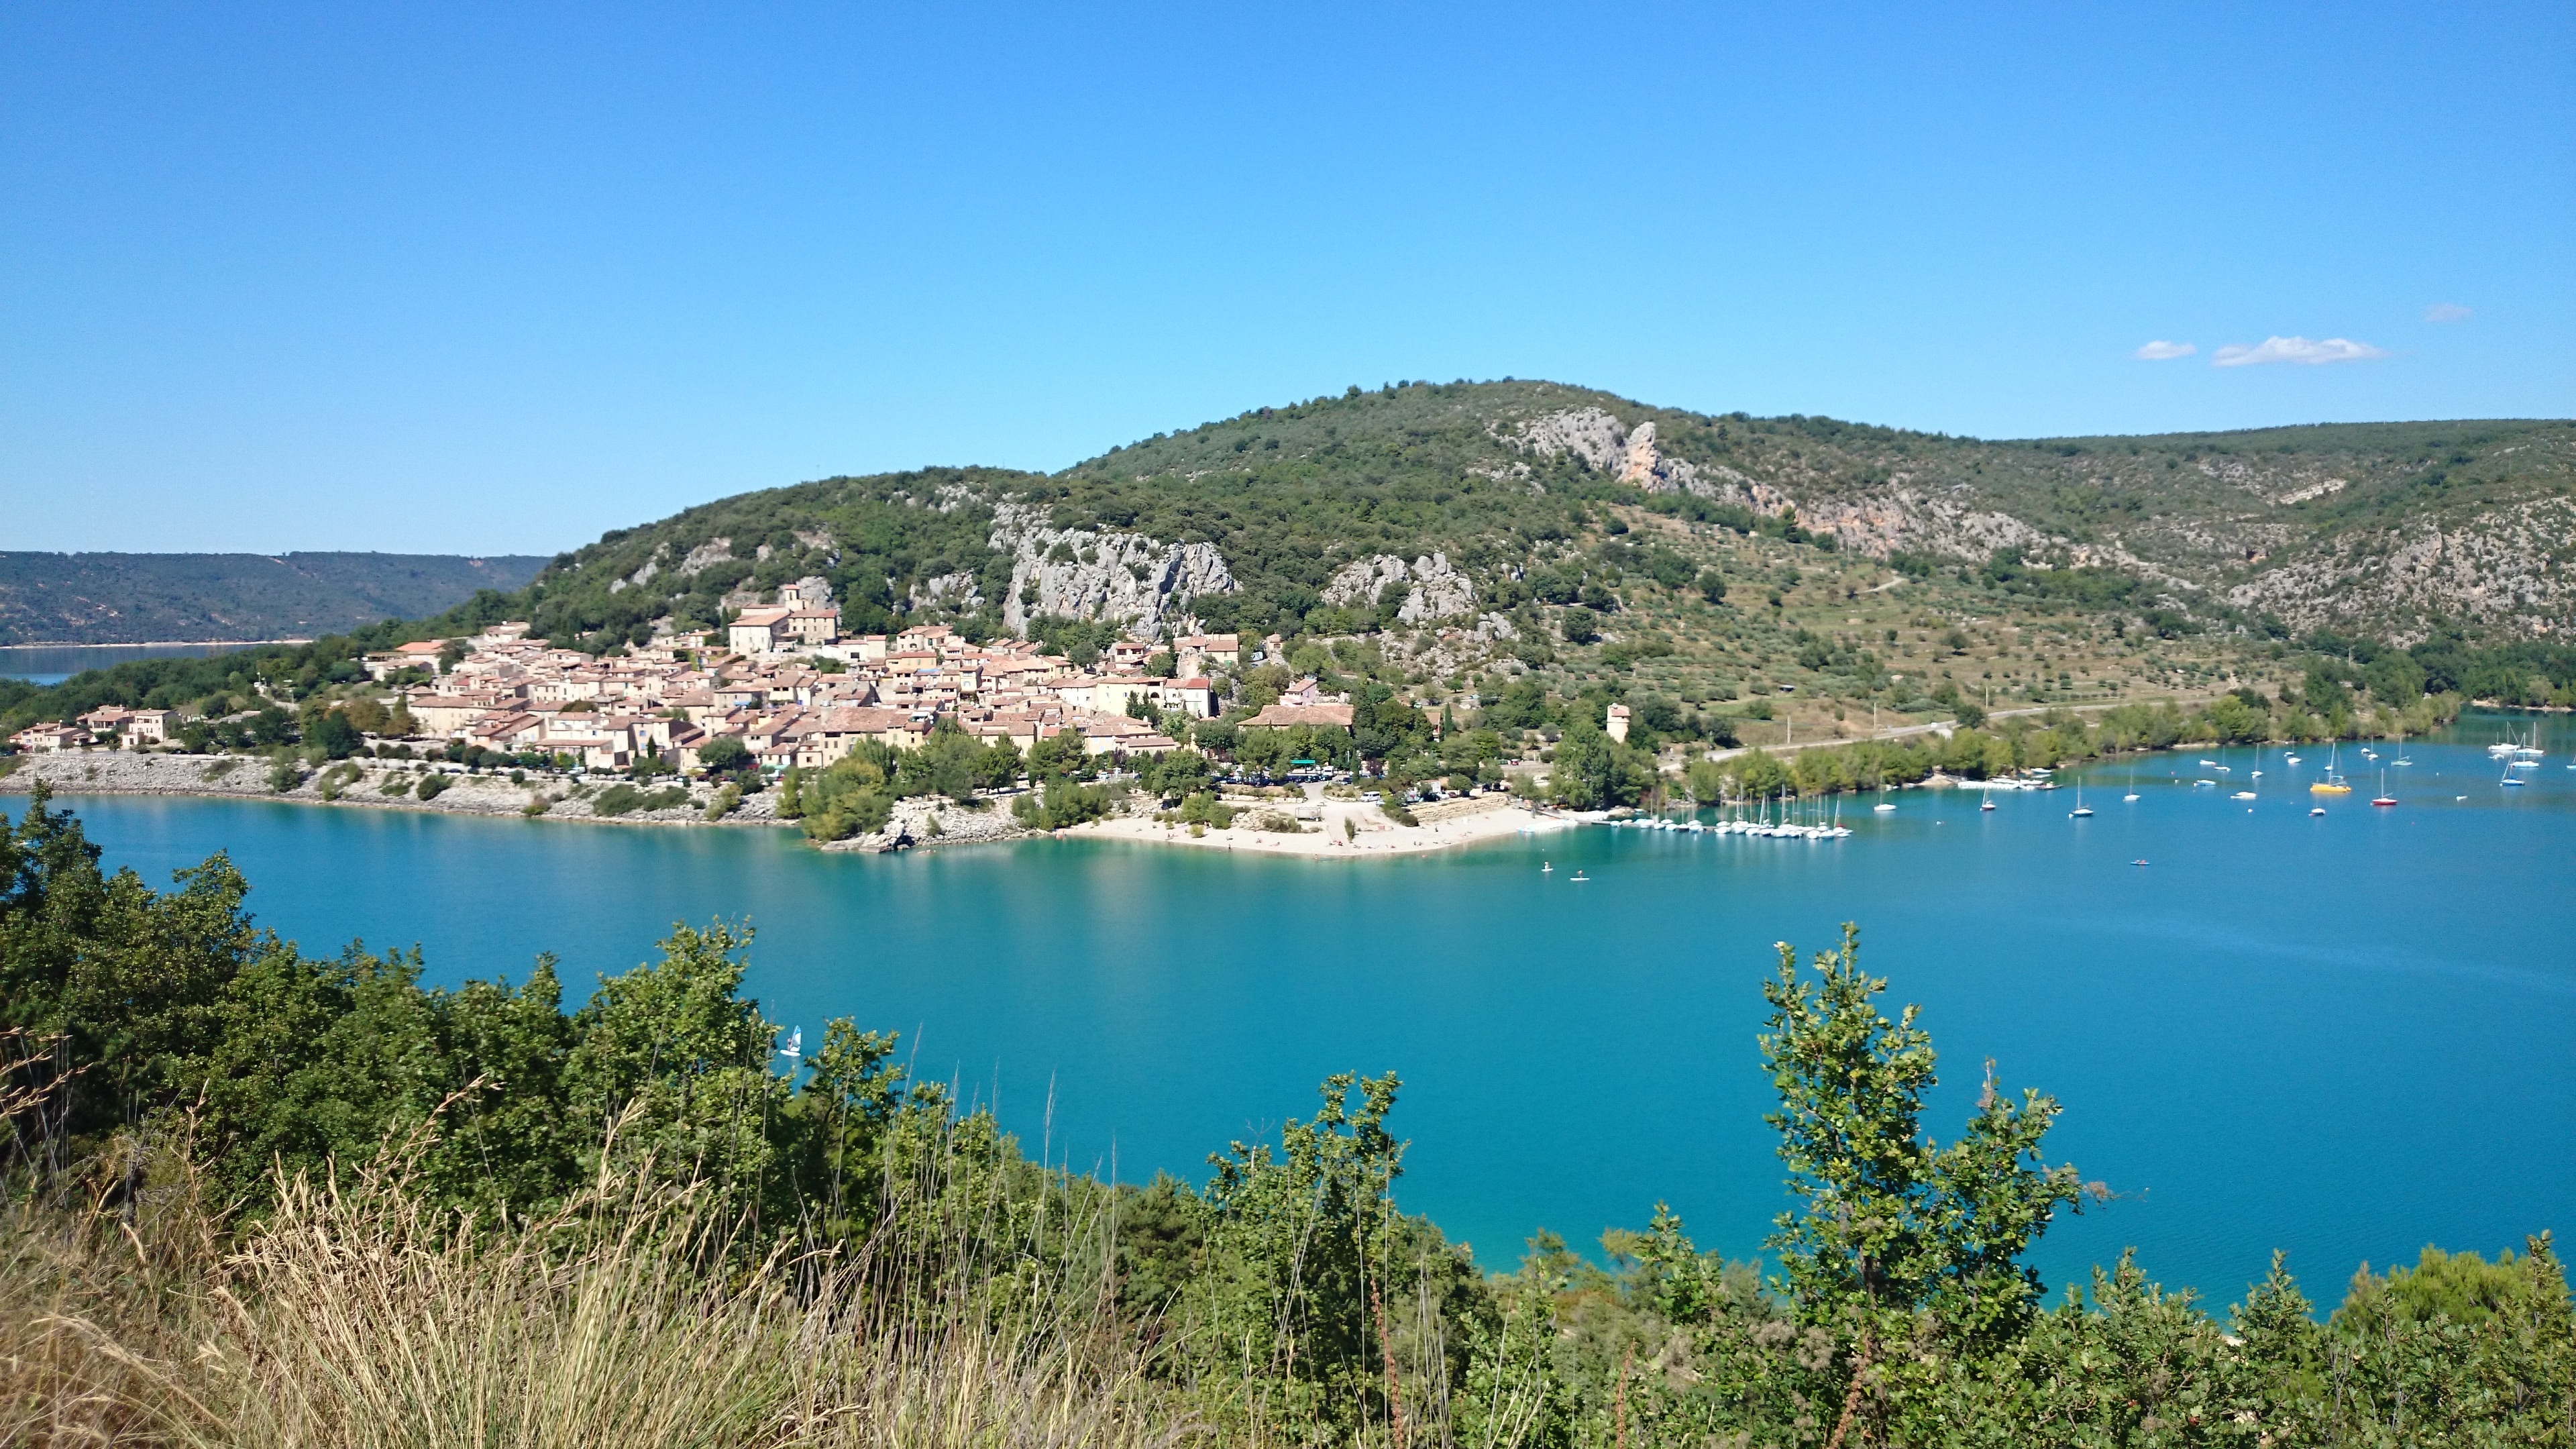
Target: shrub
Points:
x,y
432,785
625,799
1062,803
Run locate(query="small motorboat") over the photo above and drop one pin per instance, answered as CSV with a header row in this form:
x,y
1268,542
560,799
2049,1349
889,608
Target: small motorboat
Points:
x,y
2242,795
2137,862
1546,867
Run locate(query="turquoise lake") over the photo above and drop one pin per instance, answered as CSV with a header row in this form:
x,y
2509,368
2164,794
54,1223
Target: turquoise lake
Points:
x,y
52,664
2344,1036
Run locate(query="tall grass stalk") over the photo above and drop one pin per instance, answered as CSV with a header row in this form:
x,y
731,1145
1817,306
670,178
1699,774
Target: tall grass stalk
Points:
x,y
354,1315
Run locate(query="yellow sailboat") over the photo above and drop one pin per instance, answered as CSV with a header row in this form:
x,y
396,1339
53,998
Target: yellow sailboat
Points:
x,y
2333,783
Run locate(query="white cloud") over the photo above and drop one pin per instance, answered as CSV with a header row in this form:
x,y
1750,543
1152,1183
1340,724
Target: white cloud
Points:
x,y
2445,312
2294,349
2159,351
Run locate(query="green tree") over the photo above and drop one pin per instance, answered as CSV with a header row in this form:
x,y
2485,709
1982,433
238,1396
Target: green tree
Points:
x,y
725,755
1308,1226
1706,781
336,736
671,1059
1057,755
1890,1224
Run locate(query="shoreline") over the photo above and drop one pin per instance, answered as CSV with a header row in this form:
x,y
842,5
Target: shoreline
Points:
x,y
1371,834
121,772
1445,825
160,644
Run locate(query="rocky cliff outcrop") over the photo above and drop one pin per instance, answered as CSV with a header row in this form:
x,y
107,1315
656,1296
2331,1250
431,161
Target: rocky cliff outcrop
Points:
x,y
1432,588
1079,573
2503,567
1875,520
1607,445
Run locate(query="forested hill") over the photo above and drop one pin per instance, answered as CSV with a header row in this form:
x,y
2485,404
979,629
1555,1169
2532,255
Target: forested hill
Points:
x,y
2395,530
139,598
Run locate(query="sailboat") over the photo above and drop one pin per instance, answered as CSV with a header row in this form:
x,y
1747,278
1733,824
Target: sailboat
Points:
x,y
2383,798
2333,783
2081,809
795,1048
2401,750
1987,804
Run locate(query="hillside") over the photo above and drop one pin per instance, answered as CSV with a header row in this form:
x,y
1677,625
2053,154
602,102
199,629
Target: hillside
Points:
x,y
2387,530
1458,535
136,598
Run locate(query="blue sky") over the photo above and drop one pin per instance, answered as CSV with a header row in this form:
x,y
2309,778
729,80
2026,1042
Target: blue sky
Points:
x,y
497,279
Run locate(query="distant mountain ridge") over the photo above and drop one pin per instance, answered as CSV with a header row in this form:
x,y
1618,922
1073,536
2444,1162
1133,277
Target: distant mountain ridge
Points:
x,y
140,598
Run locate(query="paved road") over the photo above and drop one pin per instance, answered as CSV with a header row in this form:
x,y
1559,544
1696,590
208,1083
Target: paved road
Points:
x,y
1939,727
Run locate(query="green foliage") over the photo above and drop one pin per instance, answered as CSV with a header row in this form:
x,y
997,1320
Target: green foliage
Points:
x,y
1591,771
336,736
431,786
726,755
625,799
1060,803
674,1058
850,797
1289,1300
1891,1224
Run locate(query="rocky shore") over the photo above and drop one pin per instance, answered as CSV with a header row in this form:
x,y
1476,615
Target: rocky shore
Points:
x,y
361,784
1329,829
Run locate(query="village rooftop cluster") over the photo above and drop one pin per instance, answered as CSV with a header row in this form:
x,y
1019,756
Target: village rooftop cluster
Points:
x,y
784,683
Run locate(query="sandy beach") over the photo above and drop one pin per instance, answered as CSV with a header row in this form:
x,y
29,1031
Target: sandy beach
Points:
x,y
1371,834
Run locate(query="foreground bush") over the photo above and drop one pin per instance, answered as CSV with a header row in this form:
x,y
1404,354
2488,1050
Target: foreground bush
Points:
x,y
258,1199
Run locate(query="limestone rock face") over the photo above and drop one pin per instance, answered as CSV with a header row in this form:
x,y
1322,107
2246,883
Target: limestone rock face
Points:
x,y
1078,573
1607,445
706,555
2503,567
955,590
1432,588
1876,520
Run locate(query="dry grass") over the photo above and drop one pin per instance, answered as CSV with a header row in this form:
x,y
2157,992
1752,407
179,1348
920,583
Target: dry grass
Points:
x,y
353,1315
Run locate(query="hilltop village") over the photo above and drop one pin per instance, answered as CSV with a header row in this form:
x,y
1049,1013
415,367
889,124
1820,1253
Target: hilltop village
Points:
x,y
729,722
781,683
